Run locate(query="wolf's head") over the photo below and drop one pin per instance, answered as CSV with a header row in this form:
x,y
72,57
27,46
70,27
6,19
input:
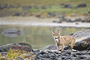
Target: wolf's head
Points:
x,y
55,34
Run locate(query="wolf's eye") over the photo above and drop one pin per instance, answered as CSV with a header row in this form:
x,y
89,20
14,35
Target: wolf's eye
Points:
x,y
55,38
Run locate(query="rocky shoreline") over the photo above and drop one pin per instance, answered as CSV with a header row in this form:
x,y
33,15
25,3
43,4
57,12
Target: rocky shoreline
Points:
x,y
66,55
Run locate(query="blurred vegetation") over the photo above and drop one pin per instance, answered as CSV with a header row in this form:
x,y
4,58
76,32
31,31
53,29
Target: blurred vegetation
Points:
x,y
50,6
42,2
14,54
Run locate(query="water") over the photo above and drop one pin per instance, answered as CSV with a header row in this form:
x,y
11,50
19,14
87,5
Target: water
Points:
x,y
37,36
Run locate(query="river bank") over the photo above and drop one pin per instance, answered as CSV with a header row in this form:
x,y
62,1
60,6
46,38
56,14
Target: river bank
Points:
x,y
33,21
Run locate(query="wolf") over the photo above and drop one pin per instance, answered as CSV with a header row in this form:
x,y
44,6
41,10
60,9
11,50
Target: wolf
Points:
x,y
62,40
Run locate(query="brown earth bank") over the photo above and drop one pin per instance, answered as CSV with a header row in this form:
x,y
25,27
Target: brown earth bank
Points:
x,y
81,50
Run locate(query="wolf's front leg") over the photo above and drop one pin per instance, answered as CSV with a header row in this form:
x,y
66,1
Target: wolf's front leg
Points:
x,y
62,48
57,47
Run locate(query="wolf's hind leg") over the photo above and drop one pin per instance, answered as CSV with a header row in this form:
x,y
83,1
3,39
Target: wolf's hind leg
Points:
x,y
72,44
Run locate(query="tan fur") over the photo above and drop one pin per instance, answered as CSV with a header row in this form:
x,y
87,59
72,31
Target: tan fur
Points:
x,y
62,40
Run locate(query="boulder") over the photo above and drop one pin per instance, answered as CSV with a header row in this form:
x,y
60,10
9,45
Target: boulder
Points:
x,y
82,40
82,45
19,46
82,35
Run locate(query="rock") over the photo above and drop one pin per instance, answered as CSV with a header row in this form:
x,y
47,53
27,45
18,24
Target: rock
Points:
x,y
88,59
74,55
38,15
10,6
20,58
36,7
16,14
82,5
36,52
57,21
66,55
50,47
67,6
62,17
26,7
42,52
82,57
51,14
82,35
78,20
46,56
43,7
63,57
89,12
20,46
82,45
4,6
4,54
74,50
1,7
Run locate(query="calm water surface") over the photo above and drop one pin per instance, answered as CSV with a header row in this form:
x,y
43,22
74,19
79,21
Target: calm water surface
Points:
x,y
37,36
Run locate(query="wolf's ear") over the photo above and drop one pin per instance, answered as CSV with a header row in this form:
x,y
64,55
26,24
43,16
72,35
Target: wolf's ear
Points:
x,y
58,31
